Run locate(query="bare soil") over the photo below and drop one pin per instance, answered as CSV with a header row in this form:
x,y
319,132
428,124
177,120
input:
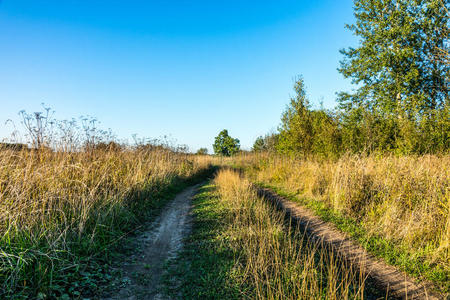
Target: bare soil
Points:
x,y
142,272
387,277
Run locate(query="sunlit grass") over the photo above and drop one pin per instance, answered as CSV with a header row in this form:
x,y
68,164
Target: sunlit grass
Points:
x,y
58,210
399,205
243,248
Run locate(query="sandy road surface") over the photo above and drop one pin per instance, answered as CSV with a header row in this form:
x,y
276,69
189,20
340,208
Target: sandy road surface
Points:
x,y
143,271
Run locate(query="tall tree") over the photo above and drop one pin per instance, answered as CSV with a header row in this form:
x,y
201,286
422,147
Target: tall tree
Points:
x,y
307,131
398,67
296,132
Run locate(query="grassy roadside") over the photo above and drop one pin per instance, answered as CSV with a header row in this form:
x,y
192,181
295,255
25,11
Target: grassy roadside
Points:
x,y
395,207
112,279
412,263
240,247
97,272
65,217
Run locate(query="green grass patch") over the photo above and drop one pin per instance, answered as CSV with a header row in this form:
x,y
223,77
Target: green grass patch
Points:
x,y
204,269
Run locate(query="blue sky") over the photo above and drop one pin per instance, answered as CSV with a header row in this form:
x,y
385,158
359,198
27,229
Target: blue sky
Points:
x,y
186,69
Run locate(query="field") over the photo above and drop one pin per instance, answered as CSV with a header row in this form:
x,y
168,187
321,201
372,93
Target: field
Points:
x,y
241,248
172,158
396,206
67,216
61,213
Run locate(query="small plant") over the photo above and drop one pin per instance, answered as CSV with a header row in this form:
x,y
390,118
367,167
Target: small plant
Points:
x,y
39,126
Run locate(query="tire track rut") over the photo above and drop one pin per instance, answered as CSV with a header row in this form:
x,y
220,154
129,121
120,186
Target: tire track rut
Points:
x,y
389,278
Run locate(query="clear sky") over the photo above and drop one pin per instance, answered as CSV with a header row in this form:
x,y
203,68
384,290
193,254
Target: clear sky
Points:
x,y
186,69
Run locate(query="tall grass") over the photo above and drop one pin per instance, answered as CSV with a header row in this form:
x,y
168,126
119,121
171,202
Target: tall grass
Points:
x,y
58,210
276,259
404,200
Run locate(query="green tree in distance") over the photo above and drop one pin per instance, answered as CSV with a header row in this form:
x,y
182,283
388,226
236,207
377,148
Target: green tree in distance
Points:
x,y
306,131
226,145
266,143
296,130
259,144
202,151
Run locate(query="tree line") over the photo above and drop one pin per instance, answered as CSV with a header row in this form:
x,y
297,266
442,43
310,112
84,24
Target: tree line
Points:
x,y
401,103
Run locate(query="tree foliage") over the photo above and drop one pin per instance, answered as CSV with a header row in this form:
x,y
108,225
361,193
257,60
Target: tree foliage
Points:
x,y
226,145
304,130
258,145
202,151
265,143
402,99
401,72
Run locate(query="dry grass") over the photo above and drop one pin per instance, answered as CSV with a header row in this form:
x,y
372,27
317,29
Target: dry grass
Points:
x,y
277,260
58,207
402,199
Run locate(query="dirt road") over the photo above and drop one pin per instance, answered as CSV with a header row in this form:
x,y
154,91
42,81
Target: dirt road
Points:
x,y
390,279
142,271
